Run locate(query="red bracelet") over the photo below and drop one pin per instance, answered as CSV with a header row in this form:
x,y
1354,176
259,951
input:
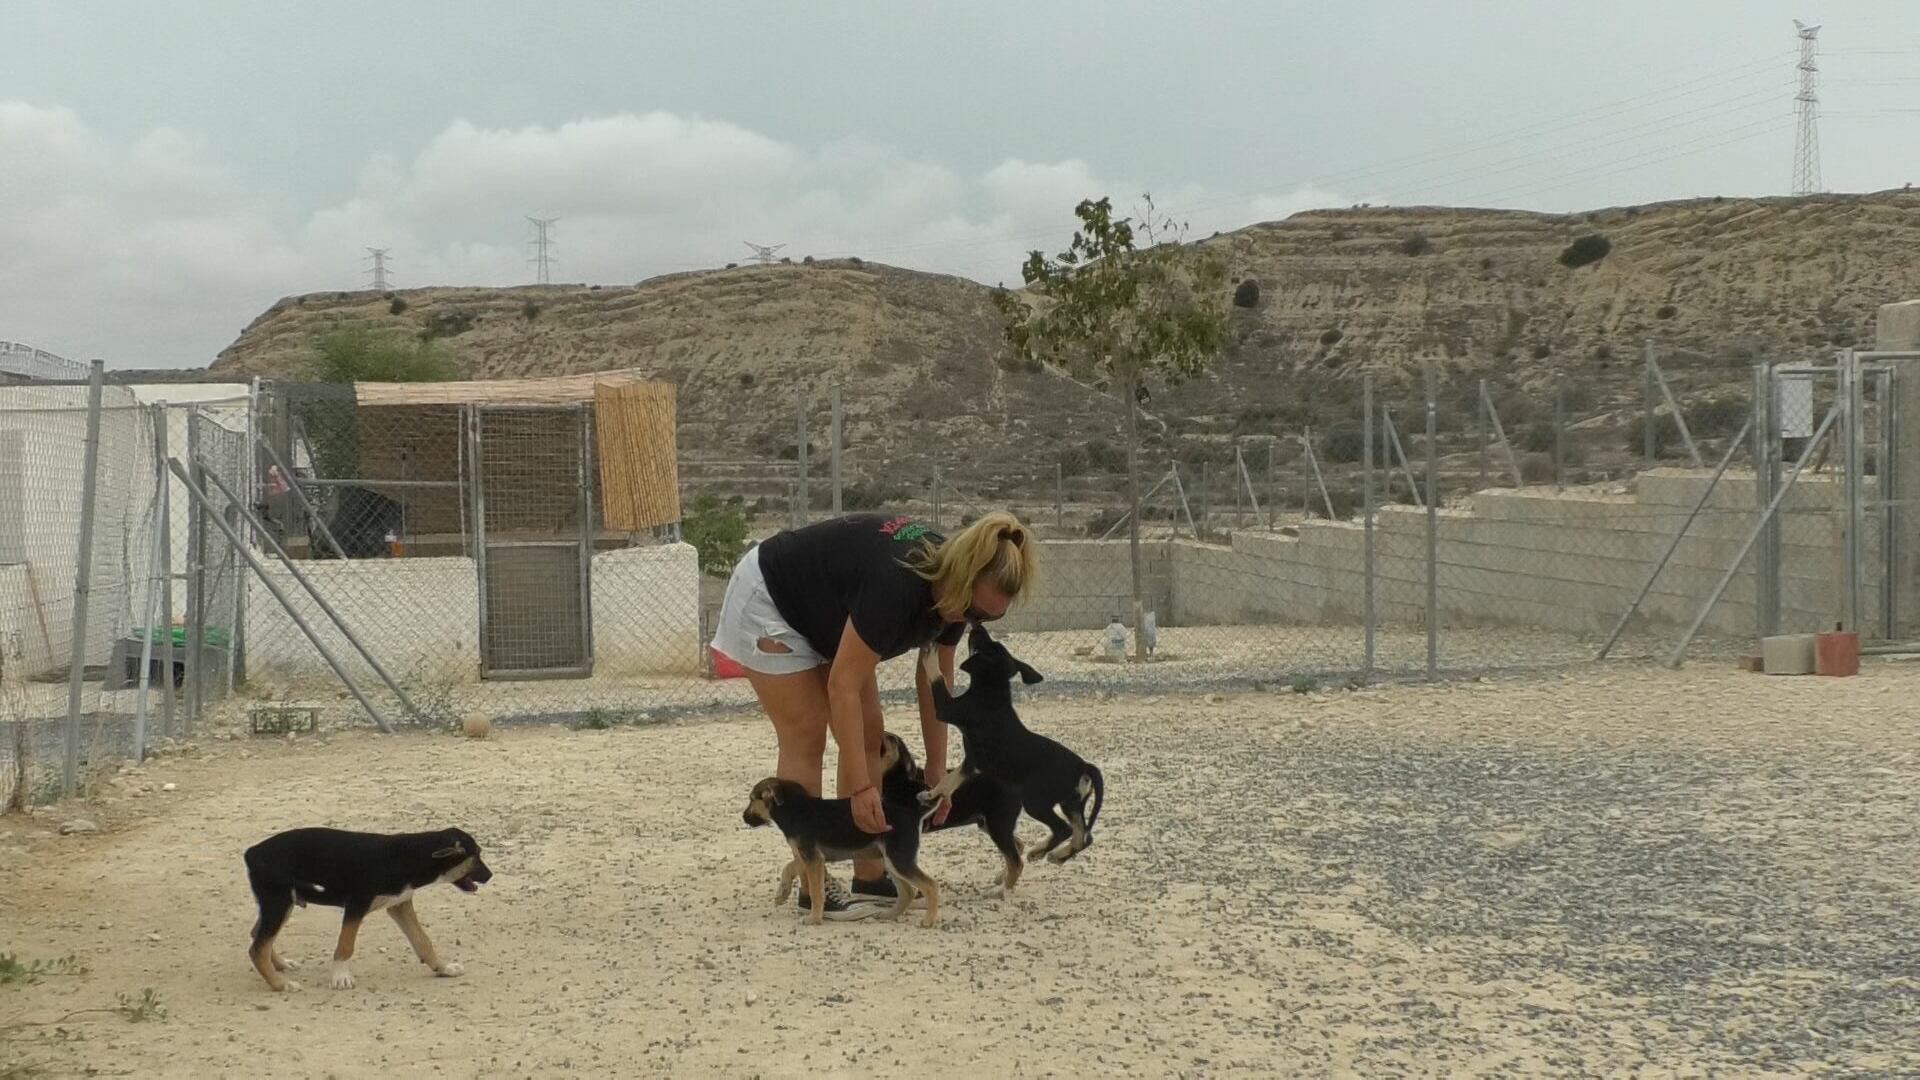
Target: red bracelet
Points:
x,y
861,792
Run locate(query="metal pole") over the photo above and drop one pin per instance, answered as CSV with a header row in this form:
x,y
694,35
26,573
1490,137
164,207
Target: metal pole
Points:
x,y
1766,474
1406,467
834,465
199,497
1180,489
1319,481
1306,473
1366,530
1111,529
1500,432
307,509
259,529
1485,407
1273,488
154,569
197,514
1059,496
1560,434
1854,431
160,433
1206,498
1239,503
805,503
1733,568
1733,447
82,579
936,495
1433,529
1679,418
1247,478
1885,466
1646,408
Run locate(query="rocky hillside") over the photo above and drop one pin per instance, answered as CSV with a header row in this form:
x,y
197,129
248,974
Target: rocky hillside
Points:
x,y
1714,283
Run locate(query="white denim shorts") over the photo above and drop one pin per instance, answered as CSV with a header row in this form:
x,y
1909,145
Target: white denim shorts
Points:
x,y
747,615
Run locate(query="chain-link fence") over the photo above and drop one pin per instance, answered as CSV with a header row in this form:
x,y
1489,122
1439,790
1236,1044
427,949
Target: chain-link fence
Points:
x,y
518,550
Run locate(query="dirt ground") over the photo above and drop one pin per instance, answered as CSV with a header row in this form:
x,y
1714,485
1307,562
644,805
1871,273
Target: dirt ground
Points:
x,y
1673,873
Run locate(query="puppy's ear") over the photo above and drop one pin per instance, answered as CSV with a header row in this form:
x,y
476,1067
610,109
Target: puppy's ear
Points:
x,y
453,851
1027,674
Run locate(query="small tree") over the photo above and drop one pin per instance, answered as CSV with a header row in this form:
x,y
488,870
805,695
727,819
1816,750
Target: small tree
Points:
x,y
717,531
1118,316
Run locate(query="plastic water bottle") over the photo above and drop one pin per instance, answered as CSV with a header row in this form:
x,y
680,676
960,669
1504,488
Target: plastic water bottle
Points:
x,y
1116,638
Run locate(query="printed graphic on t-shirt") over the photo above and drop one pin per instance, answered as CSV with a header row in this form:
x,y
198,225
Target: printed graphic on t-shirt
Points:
x,y
905,528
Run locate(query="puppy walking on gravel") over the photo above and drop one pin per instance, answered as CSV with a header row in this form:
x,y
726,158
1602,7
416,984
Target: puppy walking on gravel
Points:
x,y
359,873
823,830
1049,778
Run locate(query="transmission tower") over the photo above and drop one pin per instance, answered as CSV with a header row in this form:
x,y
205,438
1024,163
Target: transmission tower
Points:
x,y
1806,136
379,258
763,253
541,243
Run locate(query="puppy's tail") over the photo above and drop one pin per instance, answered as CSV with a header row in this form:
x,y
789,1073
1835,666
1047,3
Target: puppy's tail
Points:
x,y
1092,778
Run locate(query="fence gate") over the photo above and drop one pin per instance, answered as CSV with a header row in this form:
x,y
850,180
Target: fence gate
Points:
x,y
528,471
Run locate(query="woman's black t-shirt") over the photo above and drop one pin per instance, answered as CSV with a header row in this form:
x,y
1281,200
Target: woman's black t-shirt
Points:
x,y
822,574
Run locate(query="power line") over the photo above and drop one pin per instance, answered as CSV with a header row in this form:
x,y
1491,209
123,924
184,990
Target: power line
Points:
x,y
1806,107
542,242
764,253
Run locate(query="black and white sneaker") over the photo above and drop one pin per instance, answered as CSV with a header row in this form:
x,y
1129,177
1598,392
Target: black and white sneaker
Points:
x,y
882,893
840,906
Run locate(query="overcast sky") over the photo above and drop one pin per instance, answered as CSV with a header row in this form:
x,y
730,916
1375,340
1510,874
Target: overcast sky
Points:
x,y
168,170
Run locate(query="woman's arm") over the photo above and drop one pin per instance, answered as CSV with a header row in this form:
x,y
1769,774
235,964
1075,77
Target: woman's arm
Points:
x,y
853,667
932,732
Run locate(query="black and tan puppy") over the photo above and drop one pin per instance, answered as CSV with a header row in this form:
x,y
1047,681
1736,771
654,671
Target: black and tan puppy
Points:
x,y
981,801
359,873
821,831
1048,778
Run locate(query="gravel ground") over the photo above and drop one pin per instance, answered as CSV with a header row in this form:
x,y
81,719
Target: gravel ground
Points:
x,y
1635,870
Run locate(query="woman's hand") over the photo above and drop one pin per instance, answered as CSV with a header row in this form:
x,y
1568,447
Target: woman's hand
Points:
x,y
934,775
867,812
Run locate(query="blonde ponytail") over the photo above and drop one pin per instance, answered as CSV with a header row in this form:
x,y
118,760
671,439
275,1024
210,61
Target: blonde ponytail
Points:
x,y
996,549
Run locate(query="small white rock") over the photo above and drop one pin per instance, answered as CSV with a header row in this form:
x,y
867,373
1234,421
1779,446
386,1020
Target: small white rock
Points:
x,y
176,787
77,825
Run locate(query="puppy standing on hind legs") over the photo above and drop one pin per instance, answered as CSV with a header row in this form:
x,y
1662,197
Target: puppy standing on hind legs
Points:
x,y
820,831
1049,778
359,873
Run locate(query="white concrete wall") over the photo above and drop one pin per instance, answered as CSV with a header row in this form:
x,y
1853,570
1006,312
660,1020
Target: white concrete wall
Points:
x,y
1084,583
419,616
646,611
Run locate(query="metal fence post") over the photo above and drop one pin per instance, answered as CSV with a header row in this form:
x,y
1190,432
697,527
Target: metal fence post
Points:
x,y
1766,476
1366,490
197,517
1239,500
1059,495
165,479
1206,499
1485,405
936,495
806,508
835,459
1433,529
1559,434
1273,486
1646,407
82,580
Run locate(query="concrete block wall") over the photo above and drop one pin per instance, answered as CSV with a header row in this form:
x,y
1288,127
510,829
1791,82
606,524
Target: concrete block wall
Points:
x,y
1569,562
1083,583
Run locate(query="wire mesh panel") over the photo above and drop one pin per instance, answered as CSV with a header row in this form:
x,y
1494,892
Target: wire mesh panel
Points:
x,y
533,497
43,435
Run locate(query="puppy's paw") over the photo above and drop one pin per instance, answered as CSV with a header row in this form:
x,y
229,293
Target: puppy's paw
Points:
x,y
925,798
450,971
342,979
281,963
1060,856
288,986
